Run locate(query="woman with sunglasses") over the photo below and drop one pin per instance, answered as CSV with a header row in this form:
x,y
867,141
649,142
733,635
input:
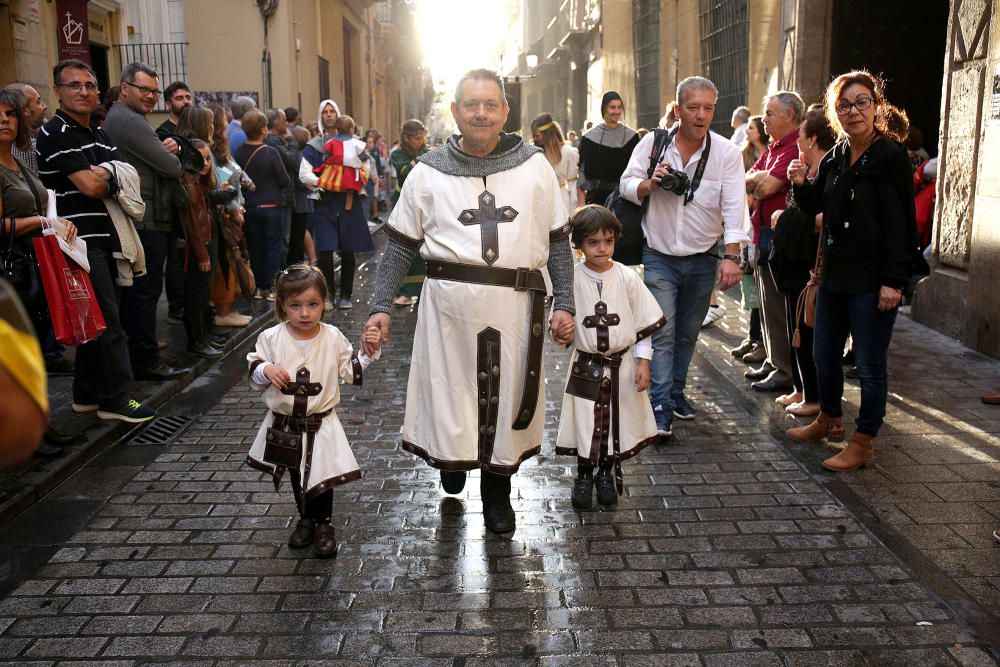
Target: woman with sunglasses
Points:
x,y
864,189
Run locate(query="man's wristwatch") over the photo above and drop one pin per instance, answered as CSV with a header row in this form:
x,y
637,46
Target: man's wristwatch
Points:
x,y
732,258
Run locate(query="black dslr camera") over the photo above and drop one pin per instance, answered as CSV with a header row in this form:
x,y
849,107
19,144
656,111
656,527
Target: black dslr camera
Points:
x,y
675,181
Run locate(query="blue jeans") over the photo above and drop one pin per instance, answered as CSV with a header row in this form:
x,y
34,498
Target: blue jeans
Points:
x,y
264,228
871,329
682,286
138,302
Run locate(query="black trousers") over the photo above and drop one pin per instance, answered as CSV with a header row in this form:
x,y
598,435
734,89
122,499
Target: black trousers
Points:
x,y
320,509
297,238
347,262
197,290
138,303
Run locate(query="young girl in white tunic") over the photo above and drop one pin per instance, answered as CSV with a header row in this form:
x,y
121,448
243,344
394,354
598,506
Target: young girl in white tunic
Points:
x,y
300,363
606,415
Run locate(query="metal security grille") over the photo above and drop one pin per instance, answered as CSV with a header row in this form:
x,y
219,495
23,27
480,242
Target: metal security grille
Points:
x,y
725,35
161,430
169,59
646,45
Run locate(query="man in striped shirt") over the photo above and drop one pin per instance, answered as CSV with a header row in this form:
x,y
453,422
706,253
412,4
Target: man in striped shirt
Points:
x,y
69,150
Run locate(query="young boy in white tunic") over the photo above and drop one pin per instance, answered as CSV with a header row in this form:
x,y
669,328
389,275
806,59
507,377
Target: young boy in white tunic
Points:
x,y
299,363
606,414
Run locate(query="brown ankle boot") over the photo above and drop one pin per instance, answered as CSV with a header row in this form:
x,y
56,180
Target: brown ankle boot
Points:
x,y
860,451
824,426
325,542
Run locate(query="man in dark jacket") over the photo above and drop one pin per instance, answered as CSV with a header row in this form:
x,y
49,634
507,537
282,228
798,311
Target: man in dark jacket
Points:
x,y
282,141
126,125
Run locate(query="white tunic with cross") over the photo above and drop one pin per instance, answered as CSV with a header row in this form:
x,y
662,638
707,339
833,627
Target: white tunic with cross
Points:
x,y
618,314
504,222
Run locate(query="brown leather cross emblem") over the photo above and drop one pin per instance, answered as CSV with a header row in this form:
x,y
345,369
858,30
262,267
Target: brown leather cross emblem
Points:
x,y
301,388
488,216
601,320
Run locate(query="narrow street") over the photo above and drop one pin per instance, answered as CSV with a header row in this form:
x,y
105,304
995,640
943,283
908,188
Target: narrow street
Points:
x,y
725,550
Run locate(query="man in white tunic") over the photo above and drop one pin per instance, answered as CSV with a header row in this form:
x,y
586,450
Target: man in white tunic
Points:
x,y
486,213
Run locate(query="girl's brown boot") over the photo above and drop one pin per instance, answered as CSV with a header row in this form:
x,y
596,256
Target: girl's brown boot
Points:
x,y
824,426
860,451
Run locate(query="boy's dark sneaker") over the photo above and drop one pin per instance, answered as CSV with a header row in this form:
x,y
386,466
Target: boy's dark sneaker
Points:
x,y
664,419
583,491
607,494
683,409
133,412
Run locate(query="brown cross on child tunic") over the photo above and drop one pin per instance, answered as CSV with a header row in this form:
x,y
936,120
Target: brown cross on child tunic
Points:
x,y
601,320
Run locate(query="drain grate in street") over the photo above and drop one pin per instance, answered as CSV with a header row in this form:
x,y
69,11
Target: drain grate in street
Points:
x,y
161,430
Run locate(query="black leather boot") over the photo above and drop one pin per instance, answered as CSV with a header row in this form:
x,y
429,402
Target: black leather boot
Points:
x,y
607,494
498,515
583,491
453,481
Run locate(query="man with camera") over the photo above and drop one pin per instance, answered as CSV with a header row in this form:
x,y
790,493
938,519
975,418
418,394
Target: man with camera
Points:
x,y
695,195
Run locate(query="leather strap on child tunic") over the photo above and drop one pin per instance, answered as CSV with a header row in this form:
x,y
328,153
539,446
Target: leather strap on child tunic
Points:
x,y
606,414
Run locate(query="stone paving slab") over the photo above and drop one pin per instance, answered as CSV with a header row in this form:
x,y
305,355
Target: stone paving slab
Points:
x,y
723,551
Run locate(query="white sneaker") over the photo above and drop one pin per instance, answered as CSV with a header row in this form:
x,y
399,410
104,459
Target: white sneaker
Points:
x,y
714,314
82,408
233,319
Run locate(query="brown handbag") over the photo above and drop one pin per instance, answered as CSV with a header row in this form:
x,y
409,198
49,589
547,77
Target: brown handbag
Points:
x,y
805,307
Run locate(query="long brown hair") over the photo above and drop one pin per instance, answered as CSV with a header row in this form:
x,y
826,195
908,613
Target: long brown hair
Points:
x,y
749,159
889,120
552,136
220,137
196,123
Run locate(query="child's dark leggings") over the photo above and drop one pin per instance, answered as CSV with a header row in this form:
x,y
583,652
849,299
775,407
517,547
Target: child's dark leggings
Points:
x,y
320,509
324,260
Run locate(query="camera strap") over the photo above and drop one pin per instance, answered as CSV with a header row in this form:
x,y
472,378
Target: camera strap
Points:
x,y
699,170
702,163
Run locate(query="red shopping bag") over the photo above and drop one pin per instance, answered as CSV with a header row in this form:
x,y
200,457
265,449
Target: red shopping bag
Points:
x,y
76,317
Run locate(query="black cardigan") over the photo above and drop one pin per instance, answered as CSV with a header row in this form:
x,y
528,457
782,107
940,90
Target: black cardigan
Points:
x,y
868,217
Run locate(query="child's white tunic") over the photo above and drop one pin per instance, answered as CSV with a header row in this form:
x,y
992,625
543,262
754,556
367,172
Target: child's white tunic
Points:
x,y
584,424
330,359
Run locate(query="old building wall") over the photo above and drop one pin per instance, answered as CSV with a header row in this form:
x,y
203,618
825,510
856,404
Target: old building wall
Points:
x,y
615,68
958,297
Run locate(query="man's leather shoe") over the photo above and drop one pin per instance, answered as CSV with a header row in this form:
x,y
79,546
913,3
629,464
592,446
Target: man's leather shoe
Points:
x,y
755,356
205,352
498,515
759,373
302,536
215,340
59,368
453,481
58,439
160,372
774,382
324,541
991,399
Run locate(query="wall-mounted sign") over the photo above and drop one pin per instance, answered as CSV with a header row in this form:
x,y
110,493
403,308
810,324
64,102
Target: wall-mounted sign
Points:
x,y
35,11
73,29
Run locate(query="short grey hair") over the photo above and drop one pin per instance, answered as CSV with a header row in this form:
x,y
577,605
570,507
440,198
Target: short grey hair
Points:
x,y
274,116
788,99
130,70
240,105
743,114
694,83
481,75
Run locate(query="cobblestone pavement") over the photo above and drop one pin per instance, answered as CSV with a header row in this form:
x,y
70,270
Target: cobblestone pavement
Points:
x,y
934,491
724,551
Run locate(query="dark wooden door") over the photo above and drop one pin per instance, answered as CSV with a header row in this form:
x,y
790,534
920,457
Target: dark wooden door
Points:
x,y
905,41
